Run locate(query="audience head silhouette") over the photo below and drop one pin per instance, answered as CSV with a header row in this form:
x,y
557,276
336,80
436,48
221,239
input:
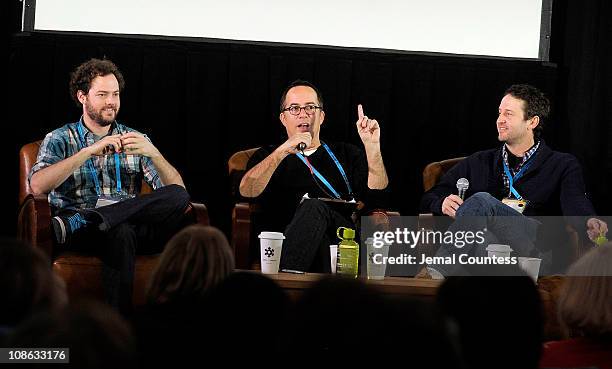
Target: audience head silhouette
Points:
x,y
96,335
585,303
27,282
498,320
193,262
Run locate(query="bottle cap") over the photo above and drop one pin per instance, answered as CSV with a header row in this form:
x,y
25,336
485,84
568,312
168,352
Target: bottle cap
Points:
x,y
344,233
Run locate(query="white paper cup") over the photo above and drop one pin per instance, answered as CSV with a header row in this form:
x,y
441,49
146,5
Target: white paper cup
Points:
x,y
271,245
531,266
333,257
374,259
498,250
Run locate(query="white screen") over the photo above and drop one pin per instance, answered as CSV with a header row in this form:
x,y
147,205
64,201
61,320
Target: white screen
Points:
x,y
478,27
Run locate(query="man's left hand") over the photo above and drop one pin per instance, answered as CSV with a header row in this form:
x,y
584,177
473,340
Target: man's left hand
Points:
x,y
368,129
137,144
595,228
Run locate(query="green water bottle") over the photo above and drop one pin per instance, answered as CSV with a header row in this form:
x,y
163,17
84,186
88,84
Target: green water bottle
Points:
x,y
348,253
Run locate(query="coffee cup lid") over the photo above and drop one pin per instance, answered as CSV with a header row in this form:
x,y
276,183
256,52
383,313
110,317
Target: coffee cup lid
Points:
x,y
370,241
272,235
499,248
525,258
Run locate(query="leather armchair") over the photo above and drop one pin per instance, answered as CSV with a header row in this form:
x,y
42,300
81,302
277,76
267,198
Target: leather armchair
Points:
x,y
431,175
81,272
243,213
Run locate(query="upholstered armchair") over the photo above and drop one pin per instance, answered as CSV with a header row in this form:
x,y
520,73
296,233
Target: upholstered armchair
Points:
x,y
81,272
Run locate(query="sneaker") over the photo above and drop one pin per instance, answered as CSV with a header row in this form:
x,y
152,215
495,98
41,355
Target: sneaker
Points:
x,y
434,273
64,226
429,273
423,274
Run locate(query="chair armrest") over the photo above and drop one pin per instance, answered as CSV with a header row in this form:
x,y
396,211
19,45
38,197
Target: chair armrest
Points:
x,y
242,228
34,223
388,213
427,221
580,245
199,212
379,219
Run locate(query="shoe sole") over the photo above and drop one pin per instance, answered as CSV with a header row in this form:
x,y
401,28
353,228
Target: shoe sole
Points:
x,y
58,223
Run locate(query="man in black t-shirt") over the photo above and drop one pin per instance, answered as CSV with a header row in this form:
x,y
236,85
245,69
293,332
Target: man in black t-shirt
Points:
x,y
279,177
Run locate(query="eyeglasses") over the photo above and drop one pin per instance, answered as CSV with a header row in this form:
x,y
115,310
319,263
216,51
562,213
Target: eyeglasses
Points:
x,y
296,109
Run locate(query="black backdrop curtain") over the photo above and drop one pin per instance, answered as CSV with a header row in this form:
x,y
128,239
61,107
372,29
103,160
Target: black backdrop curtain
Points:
x,y
201,101
582,47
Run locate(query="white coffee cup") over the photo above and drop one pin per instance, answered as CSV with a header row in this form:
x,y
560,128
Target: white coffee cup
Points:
x,y
271,245
333,257
498,250
376,254
531,266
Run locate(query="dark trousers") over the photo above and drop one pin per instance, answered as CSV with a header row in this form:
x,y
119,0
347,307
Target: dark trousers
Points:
x,y
140,225
308,236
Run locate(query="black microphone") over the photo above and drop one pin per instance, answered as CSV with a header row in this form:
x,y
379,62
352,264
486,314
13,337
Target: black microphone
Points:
x,y
462,186
301,146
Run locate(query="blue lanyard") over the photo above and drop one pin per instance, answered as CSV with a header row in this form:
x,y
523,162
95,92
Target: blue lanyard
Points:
x,y
90,163
518,175
348,185
320,176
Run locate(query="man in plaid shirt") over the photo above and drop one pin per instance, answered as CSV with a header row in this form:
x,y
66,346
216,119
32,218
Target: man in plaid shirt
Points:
x,y
92,170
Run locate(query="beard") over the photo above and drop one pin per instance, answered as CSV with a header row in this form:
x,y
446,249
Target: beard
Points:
x,y
99,115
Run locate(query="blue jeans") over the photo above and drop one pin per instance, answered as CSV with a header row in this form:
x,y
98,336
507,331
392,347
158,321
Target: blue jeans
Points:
x,y
500,223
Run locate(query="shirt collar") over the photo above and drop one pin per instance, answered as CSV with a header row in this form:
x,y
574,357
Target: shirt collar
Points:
x,y
528,154
114,127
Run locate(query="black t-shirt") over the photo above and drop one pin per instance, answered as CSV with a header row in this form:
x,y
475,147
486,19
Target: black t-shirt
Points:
x,y
292,179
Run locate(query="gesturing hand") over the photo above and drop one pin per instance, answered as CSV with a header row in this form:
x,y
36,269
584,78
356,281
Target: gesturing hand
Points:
x,y
137,144
596,228
107,145
368,129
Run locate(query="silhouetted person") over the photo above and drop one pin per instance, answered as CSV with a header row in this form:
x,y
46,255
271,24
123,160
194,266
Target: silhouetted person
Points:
x,y
585,309
247,312
96,335
498,320
345,322
172,326
27,284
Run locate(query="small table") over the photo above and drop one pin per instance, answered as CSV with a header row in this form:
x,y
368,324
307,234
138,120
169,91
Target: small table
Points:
x,y
425,289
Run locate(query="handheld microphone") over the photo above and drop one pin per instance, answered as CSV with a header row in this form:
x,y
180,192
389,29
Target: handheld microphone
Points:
x,y
462,186
301,146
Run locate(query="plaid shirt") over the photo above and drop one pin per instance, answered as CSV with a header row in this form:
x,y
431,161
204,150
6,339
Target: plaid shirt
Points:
x,y
528,154
79,190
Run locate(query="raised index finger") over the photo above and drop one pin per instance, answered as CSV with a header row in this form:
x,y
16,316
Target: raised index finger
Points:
x,y
360,111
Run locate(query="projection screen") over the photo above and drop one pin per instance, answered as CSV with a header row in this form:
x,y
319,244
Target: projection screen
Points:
x,y
517,29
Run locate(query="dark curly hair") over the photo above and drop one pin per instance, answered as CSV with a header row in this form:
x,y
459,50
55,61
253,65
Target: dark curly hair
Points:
x,y
296,83
82,76
536,104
